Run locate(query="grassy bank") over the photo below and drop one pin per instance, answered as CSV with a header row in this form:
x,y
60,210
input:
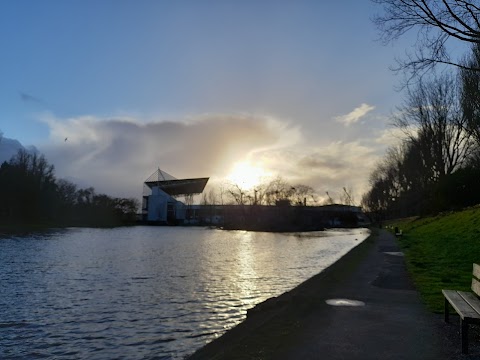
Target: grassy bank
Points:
x,y
440,251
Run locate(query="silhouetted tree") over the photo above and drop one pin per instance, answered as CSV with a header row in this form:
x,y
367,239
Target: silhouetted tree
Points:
x,y
437,22
303,195
270,193
433,122
470,93
277,190
28,183
29,193
237,194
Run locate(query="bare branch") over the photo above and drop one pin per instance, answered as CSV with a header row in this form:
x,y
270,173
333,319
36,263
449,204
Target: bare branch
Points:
x,y
437,23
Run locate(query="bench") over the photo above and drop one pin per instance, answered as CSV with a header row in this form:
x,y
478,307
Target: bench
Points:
x,y
467,305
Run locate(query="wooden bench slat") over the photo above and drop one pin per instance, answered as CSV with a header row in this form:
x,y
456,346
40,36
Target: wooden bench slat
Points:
x,y
472,300
466,304
460,305
476,286
476,271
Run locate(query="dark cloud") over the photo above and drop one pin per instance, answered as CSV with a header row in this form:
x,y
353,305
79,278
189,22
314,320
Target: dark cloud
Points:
x,y
8,148
30,98
323,161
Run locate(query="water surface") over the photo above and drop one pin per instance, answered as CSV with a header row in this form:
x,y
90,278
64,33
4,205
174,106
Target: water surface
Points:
x,y
145,292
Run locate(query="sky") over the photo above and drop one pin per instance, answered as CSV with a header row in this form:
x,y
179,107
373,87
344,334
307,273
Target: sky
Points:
x,y
240,91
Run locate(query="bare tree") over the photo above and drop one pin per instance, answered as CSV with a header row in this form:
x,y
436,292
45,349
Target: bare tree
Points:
x,y
237,194
347,197
470,93
329,200
271,193
278,189
385,182
221,193
437,22
393,181
303,195
432,120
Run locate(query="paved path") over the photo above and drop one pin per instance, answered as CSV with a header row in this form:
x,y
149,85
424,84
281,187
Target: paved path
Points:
x,y
393,324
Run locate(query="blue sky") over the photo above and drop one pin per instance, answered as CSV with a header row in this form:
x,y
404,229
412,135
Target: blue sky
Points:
x,y
296,88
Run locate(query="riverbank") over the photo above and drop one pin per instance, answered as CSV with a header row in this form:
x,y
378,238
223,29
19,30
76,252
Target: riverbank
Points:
x,y
440,251
393,323
28,228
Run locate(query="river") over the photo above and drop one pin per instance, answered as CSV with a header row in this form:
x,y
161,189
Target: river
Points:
x,y
145,292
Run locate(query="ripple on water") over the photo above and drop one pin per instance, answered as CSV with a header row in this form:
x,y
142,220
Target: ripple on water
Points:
x,y
145,292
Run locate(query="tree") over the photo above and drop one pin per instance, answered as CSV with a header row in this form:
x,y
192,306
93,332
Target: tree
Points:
x,y
384,182
432,120
376,200
269,193
276,190
438,22
30,194
401,184
303,195
470,93
237,194
329,200
347,197
33,186
67,191
211,197
418,176
126,209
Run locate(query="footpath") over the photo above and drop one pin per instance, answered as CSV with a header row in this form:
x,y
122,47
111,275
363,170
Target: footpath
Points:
x,y
378,315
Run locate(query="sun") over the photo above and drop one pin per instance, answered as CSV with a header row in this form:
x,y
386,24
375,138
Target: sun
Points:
x,y
246,175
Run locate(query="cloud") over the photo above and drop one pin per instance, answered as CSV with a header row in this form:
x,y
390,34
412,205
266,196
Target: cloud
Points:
x,y
8,148
326,168
355,115
29,98
117,155
391,136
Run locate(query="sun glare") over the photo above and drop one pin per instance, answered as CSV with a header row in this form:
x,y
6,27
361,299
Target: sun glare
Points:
x,y
246,175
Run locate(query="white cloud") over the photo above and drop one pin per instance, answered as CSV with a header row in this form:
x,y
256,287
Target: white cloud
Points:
x,y
355,115
326,168
116,155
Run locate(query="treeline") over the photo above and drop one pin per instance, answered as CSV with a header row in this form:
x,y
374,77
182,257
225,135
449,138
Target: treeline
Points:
x,y
436,167
275,191
30,194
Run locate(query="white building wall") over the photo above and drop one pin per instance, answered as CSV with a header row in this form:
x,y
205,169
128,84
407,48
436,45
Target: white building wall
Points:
x,y
157,205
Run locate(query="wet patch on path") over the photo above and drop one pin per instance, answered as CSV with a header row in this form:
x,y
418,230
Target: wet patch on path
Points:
x,y
344,302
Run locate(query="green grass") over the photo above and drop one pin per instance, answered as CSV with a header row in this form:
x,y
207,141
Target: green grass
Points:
x,y
440,251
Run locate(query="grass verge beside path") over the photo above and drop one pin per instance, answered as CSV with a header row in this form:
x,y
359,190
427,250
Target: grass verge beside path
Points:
x,y
440,251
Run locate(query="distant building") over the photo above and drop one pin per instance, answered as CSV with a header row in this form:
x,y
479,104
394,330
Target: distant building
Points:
x,y
159,203
160,206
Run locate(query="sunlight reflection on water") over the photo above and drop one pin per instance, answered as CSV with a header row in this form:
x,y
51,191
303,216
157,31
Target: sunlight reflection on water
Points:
x,y
146,292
